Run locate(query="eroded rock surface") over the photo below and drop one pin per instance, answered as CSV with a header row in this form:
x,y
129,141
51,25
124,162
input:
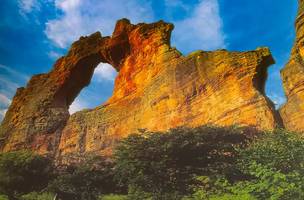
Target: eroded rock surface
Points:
x,y
293,79
39,111
157,88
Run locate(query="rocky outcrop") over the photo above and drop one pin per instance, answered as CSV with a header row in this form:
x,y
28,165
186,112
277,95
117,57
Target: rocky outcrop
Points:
x,y
293,79
39,111
157,88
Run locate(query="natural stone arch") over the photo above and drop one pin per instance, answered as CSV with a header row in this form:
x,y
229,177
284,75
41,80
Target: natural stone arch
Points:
x,y
99,90
157,88
40,110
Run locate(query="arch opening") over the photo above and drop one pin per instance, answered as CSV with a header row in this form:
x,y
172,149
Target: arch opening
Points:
x,y
98,91
274,86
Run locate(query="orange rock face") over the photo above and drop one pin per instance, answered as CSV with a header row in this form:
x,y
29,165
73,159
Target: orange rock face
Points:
x,y
293,79
157,88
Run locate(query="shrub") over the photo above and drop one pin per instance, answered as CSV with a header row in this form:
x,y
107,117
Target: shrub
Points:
x,y
275,162
3,197
268,184
23,172
37,196
86,180
165,163
279,150
274,167
113,197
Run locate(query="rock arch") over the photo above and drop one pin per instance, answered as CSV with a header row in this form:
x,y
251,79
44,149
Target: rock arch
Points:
x,y
40,110
98,91
157,88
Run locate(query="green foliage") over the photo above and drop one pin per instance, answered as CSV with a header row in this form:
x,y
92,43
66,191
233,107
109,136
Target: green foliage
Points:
x,y
85,181
3,197
275,162
268,185
136,193
279,150
22,172
181,164
113,197
37,196
274,168
165,163
272,184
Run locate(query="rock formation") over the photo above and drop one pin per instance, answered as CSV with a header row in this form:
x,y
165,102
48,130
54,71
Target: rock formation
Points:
x,y
157,88
293,79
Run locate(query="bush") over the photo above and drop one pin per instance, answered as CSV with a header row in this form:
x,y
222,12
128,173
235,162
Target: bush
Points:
x,y
274,167
165,163
181,164
113,197
23,172
3,197
86,180
37,196
279,150
275,162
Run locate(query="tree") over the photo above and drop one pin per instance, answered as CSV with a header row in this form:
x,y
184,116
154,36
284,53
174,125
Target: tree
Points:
x,y
273,165
279,150
37,196
85,180
275,162
161,163
23,172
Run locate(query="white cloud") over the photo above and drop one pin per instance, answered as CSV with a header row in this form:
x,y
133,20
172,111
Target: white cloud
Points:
x,y
54,54
104,72
14,73
10,80
7,87
4,100
2,114
201,30
4,103
77,105
278,100
176,3
83,17
27,6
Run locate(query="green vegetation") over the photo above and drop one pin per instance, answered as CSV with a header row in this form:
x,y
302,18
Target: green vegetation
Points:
x,y
87,180
163,164
22,172
209,163
37,196
274,166
113,197
3,197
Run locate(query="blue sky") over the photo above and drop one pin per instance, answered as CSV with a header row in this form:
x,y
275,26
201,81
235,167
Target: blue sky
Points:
x,y
34,33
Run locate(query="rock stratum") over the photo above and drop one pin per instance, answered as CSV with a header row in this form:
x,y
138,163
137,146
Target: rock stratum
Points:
x,y
293,79
157,88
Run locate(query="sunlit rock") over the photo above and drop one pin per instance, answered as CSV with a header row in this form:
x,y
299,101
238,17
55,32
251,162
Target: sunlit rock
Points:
x,y
293,79
157,88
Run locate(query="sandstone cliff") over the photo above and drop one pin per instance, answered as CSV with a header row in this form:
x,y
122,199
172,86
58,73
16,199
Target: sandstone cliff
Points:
x,y
157,88
293,79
